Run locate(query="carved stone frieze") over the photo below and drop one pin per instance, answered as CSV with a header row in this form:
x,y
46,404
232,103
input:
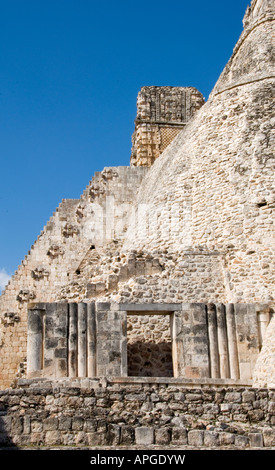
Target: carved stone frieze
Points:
x,y
162,112
96,190
80,211
10,318
25,295
109,173
40,272
70,230
54,251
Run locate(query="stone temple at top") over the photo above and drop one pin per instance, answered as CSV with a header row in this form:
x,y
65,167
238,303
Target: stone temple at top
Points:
x,y
166,267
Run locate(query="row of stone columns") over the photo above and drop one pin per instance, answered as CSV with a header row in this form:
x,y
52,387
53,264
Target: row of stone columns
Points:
x,y
62,340
88,340
82,340
223,352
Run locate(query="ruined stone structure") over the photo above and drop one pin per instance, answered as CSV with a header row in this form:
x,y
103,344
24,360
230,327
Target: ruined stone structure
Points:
x,y
159,280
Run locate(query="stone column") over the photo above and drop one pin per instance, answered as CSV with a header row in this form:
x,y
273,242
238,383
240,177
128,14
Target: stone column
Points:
x,y
72,341
177,344
82,340
91,331
232,342
35,341
222,342
61,335
213,342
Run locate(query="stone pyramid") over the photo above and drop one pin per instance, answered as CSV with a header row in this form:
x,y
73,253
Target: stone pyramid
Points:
x,y
195,227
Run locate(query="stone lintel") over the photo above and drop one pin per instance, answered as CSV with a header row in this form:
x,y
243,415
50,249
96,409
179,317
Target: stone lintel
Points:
x,y
147,308
135,307
43,305
180,381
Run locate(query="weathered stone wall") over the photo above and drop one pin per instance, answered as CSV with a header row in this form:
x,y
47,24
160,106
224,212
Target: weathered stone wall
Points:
x,y
166,276
43,270
76,235
225,197
257,9
142,414
213,187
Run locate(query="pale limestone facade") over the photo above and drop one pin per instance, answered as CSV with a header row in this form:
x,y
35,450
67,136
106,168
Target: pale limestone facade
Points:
x,y
187,229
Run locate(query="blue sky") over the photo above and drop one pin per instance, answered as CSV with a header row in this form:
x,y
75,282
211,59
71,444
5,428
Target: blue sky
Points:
x,y
70,72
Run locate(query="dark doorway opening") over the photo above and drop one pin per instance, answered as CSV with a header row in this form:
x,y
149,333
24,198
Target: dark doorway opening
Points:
x,y
149,345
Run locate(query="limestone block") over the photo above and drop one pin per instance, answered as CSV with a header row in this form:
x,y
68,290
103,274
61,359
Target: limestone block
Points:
x,y
77,423
248,396
179,436
113,435
269,437
52,438
233,397
256,440
211,439
144,436
127,435
65,423
50,424
196,438
241,441
226,439
162,436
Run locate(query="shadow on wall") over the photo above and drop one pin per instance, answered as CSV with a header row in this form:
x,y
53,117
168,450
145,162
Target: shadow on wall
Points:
x,y
149,359
5,428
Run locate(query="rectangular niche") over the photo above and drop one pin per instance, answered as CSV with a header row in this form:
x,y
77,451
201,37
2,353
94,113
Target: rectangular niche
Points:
x,y
149,345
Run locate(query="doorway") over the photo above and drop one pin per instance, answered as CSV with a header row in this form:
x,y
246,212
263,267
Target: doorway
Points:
x,y
149,345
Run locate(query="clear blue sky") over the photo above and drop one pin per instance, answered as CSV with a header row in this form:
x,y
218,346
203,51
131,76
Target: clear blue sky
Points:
x,y
70,71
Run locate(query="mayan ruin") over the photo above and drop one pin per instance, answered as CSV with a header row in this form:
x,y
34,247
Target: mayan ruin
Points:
x,y
143,314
